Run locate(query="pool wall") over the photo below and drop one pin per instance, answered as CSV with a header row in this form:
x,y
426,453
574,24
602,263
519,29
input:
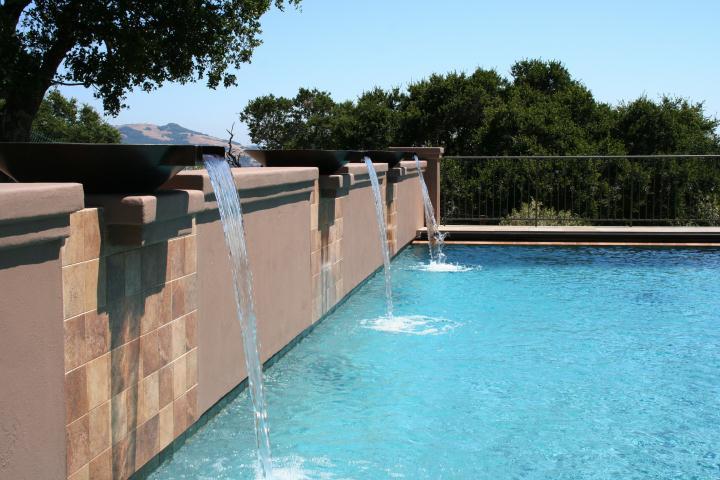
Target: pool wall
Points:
x,y
118,319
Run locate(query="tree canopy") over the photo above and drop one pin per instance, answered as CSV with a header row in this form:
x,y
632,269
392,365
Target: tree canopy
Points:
x,y
114,46
540,110
61,119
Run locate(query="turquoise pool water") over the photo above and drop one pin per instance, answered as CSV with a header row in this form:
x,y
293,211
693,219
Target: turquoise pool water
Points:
x,y
552,363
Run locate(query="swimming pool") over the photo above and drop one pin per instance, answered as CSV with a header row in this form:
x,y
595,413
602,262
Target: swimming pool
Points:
x,y
535,362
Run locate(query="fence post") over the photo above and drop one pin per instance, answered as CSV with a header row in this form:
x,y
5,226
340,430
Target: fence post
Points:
x,y
433,156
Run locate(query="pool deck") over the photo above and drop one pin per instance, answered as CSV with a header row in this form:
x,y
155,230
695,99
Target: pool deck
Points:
x,y
613,235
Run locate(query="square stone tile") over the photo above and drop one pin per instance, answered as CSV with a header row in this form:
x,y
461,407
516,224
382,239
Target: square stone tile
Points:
x,y
157,310
184,296
191,372
118,413
124,366
180,414
73,290
178,337
97,334
98,380
91,233
125,316
150,353
115,277
165,343
179,376
147,441
133,273
75,349
76,400
123,457
191,331
101,466
100,429
167,429
148,398
77,444
165,376
92,283
190,254
176,258
154,265
82,474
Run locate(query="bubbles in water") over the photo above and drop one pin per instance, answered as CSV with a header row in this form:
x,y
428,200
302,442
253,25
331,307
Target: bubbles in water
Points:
x,y
297,468
410,324
444,267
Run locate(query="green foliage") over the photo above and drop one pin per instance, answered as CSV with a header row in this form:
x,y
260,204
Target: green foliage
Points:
x,y
540,110
709,210
60,119
535,213
116,46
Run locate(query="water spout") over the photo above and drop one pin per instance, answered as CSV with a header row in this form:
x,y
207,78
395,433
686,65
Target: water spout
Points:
x,y
382,227
231,216
436,239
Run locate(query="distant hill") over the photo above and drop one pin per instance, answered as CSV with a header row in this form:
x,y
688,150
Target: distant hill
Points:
x,y
144,133
171,133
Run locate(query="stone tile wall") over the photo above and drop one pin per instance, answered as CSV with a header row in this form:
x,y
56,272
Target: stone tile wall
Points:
x,y
326,230
130,318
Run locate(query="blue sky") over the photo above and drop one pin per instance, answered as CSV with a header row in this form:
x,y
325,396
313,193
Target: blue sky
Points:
x,y
619,49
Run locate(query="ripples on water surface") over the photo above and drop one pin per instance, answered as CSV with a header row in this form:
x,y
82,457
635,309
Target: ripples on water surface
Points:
x,y
559,363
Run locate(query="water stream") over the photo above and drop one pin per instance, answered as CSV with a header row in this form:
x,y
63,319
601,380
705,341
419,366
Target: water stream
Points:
x,y
382,228
232,222
436,239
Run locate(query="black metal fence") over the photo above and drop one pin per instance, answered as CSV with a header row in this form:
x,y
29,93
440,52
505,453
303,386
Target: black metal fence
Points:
x,y
581,190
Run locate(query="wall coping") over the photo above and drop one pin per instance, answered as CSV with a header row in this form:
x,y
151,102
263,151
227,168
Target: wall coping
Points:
x,y
138,210
358,175
25,201
405,169
37,212
245,178
254,183
425,153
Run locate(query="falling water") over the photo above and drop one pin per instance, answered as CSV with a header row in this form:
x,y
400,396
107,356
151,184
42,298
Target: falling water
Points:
x,y
436,239
383,233
232,222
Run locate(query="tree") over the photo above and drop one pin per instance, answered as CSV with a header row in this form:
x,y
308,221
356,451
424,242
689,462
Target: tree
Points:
x,y
61,119
672,126
115,46
452,110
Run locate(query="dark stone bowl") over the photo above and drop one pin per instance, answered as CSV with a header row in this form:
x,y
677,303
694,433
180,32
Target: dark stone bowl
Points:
x,y
326,161
392,158
101,168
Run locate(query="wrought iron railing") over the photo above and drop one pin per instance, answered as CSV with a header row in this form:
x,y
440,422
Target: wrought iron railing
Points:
x,y
581,190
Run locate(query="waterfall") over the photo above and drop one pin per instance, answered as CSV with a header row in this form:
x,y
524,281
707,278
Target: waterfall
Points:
x,y
436,239
232,222
382,228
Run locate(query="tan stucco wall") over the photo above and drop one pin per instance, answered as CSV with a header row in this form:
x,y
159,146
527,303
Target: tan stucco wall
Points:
x,y
362,253
32,411
278,243
409,214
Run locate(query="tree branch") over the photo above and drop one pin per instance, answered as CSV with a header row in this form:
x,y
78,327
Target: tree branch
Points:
x,y
67,84
232,158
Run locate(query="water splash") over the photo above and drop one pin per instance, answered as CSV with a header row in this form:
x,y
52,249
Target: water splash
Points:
x,y
436,239
437,267
410,325
232,223
383,233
